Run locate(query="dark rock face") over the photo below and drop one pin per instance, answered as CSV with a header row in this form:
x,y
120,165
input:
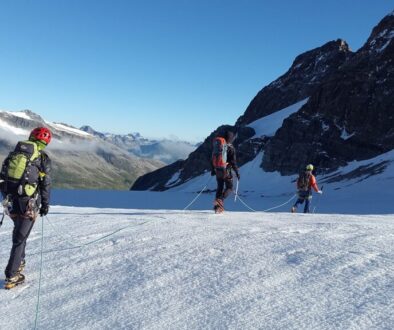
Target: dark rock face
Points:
x,y
349,117
151,181
300,81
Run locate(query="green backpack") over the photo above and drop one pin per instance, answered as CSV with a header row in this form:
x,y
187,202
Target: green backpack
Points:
x,y
19,176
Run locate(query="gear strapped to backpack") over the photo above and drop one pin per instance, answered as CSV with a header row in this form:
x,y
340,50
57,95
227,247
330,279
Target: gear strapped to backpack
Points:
x,y
303,181
19,174
219,153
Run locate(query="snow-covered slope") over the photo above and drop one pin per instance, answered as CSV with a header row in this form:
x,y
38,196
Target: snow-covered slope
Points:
x,y
360,187
268,125
195,270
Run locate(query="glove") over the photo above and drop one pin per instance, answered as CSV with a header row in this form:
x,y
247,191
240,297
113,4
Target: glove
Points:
x,y
44,210
213,172
320,192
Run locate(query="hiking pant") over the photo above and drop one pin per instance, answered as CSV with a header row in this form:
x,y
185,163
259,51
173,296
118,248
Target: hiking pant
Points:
x,y
22,229
301,201
225,184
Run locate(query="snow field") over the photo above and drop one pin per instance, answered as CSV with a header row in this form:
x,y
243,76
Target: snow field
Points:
x,y
196,270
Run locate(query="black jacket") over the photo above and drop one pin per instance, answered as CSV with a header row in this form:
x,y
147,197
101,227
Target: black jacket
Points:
x,y
231,159
45,182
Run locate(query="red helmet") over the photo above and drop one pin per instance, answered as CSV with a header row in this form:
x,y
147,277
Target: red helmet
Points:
x,y
42,134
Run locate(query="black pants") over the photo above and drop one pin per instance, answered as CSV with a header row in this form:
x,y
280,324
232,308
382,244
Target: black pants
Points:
x,y
22,229
225,183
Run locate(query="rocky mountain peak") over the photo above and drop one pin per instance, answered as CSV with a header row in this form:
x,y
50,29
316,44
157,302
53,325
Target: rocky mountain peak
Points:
x,y
317,63
24,119
382,34
33,115
349,117
322,54
90,130
299,82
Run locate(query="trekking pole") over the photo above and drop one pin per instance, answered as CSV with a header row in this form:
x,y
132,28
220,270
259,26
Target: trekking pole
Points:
x,y
2,219
6,204
236,191
317,203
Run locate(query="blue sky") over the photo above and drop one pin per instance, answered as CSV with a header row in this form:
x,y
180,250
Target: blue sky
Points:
x,y
161,68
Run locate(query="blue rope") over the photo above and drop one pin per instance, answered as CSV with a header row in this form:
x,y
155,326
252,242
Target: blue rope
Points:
x,y
40,276
76,246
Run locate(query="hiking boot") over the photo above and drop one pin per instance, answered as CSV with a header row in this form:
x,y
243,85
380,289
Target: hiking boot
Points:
x,y
11,282
218,205
21,267
293,210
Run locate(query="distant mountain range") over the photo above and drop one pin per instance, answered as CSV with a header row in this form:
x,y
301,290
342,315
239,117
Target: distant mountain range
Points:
x,y
332,107
164,150
86,159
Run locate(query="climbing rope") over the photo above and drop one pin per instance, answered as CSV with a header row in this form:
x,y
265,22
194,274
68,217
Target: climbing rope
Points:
x,y
195,198
276,207
269,209
246,205
79,245
62,234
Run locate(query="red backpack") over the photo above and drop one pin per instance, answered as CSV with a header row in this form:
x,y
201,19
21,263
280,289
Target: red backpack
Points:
x,y
219,154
